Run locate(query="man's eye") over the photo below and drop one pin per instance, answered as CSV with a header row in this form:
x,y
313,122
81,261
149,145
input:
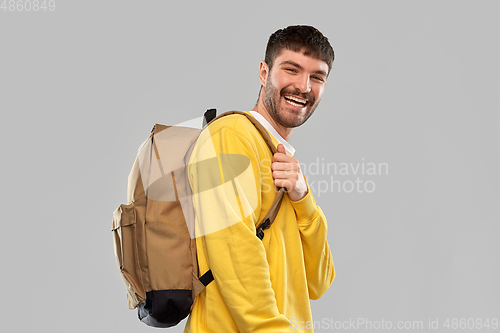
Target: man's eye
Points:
x,y
317,78
291,70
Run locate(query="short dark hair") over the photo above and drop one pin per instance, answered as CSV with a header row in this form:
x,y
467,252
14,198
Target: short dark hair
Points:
x,y
297,38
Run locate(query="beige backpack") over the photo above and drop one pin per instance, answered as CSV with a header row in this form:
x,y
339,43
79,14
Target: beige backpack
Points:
x,y
154,241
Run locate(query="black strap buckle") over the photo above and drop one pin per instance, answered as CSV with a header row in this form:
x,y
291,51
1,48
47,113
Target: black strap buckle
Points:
x,y
208,116
262,227
260,233
206,278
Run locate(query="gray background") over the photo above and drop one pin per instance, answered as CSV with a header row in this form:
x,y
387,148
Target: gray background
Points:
x,y
415,84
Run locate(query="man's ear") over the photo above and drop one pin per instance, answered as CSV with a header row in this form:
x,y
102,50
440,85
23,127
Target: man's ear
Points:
x,y
263,72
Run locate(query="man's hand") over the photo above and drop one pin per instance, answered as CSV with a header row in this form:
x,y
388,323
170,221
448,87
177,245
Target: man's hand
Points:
x,y
287,174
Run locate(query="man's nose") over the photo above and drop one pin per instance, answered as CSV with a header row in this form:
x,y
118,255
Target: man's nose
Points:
x,y
303,83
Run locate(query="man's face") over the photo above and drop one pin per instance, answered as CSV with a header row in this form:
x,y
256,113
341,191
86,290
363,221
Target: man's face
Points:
x,y
293,87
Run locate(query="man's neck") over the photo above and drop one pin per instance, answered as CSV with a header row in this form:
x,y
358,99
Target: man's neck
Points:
x,y
285,133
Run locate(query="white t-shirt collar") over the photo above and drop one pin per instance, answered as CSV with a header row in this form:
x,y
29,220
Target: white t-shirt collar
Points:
x,y
288,147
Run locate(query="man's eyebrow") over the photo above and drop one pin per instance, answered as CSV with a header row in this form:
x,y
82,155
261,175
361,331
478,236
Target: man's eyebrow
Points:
x,y
289,62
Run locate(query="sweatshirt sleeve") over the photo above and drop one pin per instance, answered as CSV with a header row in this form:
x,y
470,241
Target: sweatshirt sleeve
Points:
x,y
226,212
318,260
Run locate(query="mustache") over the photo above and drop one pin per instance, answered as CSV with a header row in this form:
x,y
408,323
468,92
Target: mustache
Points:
x,y
297,92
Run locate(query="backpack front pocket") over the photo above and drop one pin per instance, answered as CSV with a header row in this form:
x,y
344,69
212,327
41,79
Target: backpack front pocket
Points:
x,y
124,230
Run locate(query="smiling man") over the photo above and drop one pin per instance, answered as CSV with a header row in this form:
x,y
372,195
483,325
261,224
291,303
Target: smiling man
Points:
x,y
264,285
292,91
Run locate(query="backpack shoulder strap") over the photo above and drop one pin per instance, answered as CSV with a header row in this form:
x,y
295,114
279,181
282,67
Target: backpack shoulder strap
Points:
x,y
257,125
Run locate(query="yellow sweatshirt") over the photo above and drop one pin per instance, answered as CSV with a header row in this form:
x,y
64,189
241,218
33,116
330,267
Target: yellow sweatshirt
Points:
x,y
259,286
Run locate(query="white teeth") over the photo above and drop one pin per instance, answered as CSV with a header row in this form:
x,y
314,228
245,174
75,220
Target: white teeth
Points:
x,y
292,99
295,104
296,99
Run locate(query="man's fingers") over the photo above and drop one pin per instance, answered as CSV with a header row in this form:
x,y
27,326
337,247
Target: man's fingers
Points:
x,y
282,166
281,149
282,174
286,173
281,155
283,183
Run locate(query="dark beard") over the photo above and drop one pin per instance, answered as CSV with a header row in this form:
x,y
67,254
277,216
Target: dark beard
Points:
x,y
272,98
